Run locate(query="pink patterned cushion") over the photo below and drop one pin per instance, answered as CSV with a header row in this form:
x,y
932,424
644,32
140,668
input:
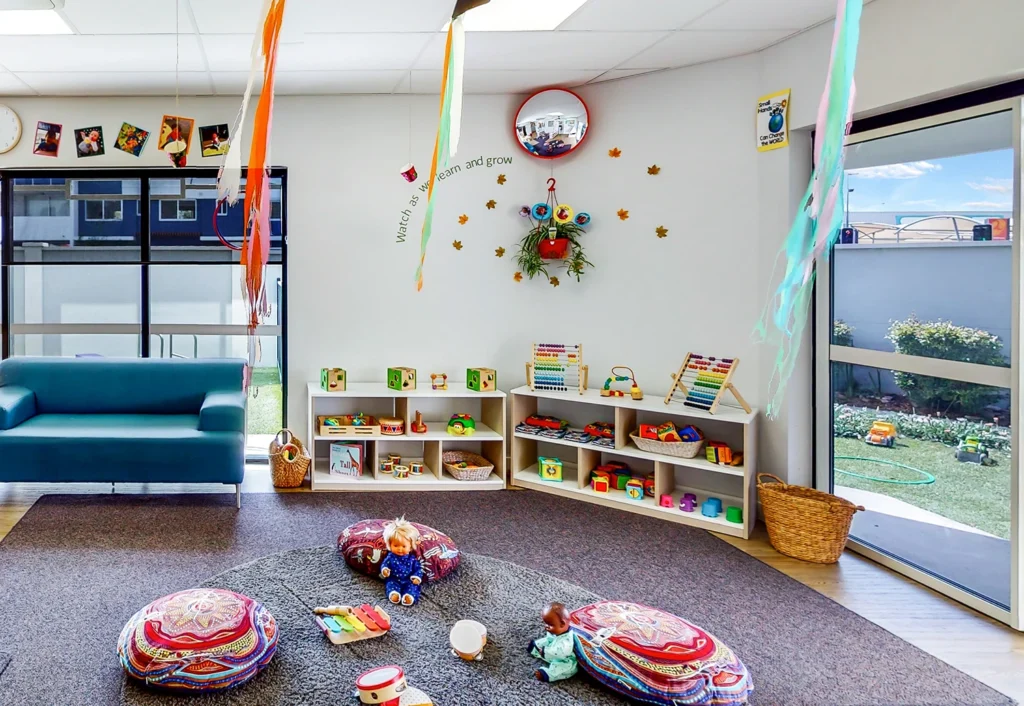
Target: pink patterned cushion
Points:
x,y
362,547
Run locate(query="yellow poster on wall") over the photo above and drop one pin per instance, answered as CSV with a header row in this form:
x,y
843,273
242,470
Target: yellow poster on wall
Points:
x,y
773,121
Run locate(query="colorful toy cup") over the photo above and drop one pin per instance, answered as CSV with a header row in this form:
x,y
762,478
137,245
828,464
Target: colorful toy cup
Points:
x,y
734,514
409,173
387,467
416,468
665,501
687,504
717,502
710,509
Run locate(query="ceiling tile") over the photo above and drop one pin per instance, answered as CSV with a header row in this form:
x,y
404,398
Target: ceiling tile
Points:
x,y
229,16
476,81
691,47
11,86
760,15
145,17
543,50
99,53
307,83
611,15
117,83
373,16
232,83
621,73
346,52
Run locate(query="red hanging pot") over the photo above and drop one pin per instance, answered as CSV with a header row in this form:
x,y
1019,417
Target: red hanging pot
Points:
x,y
557,249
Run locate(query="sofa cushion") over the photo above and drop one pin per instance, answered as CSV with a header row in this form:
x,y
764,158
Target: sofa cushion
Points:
x,y
121,385
200,640
362,547
89,448
223,411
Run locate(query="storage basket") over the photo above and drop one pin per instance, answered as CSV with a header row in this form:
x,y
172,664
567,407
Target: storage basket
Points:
x,y
681,449
285,473
477,467
805,523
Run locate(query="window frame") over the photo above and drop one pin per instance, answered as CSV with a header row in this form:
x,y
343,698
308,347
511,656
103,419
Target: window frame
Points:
x,y
103,208
177,208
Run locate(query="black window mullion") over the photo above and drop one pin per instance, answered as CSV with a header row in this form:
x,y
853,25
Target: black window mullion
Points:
x,y
6,258
144,258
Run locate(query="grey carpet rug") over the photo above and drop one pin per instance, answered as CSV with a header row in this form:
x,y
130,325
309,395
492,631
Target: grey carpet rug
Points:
x,y
94,560
309,670
5,659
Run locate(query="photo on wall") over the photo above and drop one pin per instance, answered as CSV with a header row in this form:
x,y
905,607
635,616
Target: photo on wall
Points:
x,y
89,141
175,134
214,139
131,139
47,141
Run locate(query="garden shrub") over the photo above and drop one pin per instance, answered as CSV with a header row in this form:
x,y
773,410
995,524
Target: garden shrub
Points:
x,y
943,340
842,333
854,422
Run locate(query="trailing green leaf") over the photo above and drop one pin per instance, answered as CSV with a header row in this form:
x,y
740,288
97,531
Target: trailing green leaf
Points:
x,y
531,264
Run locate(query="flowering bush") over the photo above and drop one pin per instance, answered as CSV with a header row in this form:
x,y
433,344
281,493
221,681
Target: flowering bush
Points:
x,y
854,422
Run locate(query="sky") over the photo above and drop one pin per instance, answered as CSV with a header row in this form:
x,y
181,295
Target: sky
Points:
x,y
981,182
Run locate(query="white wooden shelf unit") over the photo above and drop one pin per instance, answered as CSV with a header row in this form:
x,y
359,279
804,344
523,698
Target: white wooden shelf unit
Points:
x,y
674,476
437,406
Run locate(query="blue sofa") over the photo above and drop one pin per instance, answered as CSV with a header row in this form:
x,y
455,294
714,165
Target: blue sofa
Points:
x,y
115,420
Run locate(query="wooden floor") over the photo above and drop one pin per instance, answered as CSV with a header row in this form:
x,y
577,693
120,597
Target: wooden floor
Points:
x,y
985,649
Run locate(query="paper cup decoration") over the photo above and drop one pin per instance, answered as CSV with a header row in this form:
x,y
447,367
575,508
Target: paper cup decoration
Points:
x,y
541,212
409,173
525,212
582,218
468,639
563,213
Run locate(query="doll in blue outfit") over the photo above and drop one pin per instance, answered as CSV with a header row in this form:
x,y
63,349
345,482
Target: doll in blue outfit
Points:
x,y
401,569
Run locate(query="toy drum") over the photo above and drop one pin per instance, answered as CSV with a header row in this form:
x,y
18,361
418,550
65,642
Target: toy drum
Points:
x,y
383,685
401,471
387,467
468,638
395,459
416,468
392,426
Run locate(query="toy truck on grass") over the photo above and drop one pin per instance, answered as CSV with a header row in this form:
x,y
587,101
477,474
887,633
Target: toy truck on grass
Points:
x,y
971,450
882,434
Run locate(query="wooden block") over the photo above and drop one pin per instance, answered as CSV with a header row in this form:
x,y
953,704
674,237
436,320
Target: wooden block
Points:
x,y
481,379
332,379
401,379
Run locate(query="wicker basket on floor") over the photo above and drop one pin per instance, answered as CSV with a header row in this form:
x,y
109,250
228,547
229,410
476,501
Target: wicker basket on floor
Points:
x,y
476,466
283,472
805,523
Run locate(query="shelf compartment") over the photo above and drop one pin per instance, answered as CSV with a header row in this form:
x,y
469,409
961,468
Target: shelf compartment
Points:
x,y
426,482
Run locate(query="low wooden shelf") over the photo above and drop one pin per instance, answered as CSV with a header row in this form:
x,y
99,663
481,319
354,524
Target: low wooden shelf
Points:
x,y
437,406
734,485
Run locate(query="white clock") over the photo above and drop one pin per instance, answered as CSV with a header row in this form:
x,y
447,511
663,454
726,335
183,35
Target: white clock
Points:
x,y
10,129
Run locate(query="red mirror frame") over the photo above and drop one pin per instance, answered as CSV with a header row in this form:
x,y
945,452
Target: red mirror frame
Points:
x,y
515,131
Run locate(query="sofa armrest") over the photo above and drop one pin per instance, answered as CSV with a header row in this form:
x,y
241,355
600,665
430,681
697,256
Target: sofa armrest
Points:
x,y
223,411
17,404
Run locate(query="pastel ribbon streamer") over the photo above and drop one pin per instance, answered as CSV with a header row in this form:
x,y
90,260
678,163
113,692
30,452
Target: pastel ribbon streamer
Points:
x,y
816,228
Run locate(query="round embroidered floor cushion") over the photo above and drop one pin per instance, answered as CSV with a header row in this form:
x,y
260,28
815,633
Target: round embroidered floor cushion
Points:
x,y
362,547
203,639
654,657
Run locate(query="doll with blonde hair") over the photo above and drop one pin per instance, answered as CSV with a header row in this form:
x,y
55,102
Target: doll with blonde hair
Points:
x,y
401,570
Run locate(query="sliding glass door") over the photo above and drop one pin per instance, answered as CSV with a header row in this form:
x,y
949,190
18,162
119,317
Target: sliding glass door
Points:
x,y
141,263
918,345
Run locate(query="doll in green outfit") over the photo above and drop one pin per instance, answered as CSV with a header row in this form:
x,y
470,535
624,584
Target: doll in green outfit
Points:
x,y
556,647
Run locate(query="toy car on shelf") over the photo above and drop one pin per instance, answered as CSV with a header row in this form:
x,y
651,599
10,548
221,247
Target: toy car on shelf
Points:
x,y
604,430
882,434
971,450
536,420
461,425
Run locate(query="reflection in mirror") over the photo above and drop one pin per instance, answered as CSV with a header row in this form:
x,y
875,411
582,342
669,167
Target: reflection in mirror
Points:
x,y
552,123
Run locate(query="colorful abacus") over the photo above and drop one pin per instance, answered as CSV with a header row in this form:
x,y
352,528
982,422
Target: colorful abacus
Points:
x,y
703,379
557,367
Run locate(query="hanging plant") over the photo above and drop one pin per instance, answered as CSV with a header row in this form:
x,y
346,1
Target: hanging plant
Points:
x,y
547,243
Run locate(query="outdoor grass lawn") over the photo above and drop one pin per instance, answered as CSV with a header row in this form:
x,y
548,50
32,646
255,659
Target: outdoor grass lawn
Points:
x,y
265,401
975,495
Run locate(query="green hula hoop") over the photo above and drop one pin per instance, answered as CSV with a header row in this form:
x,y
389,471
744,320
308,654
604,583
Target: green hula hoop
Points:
x,y
928,478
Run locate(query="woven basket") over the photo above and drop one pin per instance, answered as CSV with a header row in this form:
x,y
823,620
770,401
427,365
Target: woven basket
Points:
x,y
285,473
682,449
805,523
479,467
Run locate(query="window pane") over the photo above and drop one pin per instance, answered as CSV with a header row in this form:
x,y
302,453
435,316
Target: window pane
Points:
x,y
931,461
205,294
168,210
76,213
928,269
75,294
187,210
86,345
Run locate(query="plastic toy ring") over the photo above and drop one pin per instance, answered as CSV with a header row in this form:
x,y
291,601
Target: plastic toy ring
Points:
x,y
563,213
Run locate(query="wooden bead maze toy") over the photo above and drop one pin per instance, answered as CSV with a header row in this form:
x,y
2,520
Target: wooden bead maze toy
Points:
x,y
703,380
557,367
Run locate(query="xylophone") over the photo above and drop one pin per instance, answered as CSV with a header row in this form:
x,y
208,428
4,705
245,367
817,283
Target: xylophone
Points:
x,y
557,367
703,380
344,624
